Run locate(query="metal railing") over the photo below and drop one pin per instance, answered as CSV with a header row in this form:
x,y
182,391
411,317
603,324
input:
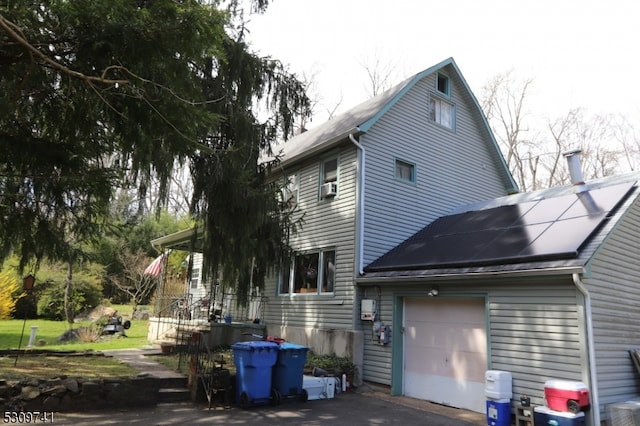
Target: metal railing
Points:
x,y
179,318
208,369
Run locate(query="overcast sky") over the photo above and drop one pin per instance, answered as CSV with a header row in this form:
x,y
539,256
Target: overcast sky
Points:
x,y
579,53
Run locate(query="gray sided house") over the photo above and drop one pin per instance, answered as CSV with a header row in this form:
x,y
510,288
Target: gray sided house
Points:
x,y
366,181
420,261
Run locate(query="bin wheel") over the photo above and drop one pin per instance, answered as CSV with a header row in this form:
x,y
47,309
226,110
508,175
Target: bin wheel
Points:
x,y
304,395
573,406
244,400
276,397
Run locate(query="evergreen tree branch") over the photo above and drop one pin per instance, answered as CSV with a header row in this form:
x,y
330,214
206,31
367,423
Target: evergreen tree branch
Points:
x,y
13,31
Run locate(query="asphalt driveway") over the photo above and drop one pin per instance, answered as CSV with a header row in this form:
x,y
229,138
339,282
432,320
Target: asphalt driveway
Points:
x,y
364,407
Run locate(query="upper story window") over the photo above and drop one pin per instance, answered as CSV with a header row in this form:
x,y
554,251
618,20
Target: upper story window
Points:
x,y
329,178
310,273
442,112
195,277
443,84
405,171
291,190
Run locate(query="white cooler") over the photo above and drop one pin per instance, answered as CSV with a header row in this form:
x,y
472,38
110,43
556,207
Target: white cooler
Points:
x,y
497,384
319,387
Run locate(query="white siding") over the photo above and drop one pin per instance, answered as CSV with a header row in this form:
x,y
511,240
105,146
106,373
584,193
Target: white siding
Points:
x,y
614,286
326,224
452,167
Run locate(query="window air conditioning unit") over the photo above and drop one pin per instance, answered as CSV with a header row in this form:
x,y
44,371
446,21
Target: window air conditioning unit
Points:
x,y
328,189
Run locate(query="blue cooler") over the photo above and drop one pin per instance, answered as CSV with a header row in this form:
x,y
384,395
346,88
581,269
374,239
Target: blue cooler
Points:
x,y
499,412
543,416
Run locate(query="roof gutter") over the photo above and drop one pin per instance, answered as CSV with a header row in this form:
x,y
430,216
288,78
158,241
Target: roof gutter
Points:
x,y
406,279
359,205
593,375
167,241
318,148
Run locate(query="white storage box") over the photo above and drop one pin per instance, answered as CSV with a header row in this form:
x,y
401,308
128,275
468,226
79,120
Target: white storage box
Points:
x,y
497,384
319,387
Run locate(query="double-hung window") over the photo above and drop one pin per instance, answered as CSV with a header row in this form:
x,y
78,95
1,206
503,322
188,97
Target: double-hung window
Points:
x,y
291,191
195,277
441,110
329,178
309,273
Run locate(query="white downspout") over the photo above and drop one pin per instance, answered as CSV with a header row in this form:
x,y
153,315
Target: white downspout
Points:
x,y
593,375
359,206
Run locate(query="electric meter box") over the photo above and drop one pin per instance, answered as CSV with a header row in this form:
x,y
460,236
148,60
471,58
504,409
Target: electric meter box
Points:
x,y
367,309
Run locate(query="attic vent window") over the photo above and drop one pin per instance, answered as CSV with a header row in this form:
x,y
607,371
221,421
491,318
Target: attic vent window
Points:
x,y
442,83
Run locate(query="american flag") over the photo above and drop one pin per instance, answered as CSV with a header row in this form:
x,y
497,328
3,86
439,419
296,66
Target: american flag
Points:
x,y
155,267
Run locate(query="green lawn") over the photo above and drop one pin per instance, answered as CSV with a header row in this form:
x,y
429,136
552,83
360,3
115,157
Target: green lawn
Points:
x,y
50,331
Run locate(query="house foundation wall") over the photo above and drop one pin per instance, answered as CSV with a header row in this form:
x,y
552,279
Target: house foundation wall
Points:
x,y
343,343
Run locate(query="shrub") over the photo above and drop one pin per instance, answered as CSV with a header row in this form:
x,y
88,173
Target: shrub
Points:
x,y
86,295
89,334
9,294
332,363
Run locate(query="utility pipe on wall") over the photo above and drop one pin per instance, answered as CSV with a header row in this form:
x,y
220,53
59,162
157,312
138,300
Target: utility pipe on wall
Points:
x,y
593,374
359,206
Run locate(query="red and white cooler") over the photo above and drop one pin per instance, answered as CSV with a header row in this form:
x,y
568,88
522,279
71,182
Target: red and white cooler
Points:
x,y
566,396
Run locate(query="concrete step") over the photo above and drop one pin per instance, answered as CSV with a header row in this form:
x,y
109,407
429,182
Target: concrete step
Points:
x,y
171,395
173,382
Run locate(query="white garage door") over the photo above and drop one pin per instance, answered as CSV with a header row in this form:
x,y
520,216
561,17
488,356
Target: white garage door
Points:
x,y
445,351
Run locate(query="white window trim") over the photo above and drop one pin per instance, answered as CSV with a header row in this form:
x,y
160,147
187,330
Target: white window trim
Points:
x,y
319,279
322,181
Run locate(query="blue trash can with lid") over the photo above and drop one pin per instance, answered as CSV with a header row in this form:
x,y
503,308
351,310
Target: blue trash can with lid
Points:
x,y
254,362
289,370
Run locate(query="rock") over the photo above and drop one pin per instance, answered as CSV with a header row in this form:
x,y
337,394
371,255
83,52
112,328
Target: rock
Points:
x,y
69,335
51,403
66,403
141,314
30,392
72,385
41,342
57,390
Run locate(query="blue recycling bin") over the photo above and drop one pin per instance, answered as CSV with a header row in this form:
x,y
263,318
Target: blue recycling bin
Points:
x,y
254,362
289,369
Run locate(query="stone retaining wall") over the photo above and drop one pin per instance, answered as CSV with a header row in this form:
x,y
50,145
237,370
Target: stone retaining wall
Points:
x,y
66,394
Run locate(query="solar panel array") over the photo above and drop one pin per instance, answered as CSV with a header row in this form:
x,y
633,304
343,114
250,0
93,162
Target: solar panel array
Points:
x,y
552,228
